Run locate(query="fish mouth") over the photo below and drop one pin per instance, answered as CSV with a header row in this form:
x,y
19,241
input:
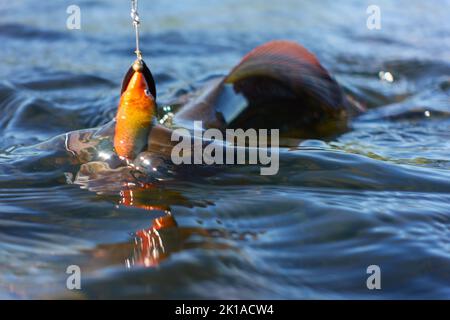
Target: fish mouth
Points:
x,y
139,66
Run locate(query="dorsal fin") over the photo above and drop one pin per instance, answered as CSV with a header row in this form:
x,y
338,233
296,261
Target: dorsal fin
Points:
x,y
147,75
284,69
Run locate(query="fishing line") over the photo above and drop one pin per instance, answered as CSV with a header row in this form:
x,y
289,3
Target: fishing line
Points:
x,y
136,22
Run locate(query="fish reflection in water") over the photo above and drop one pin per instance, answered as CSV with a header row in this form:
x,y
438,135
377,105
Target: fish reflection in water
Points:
x,y
163,237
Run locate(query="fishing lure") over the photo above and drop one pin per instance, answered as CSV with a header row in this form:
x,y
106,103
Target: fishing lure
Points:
x,y
137,106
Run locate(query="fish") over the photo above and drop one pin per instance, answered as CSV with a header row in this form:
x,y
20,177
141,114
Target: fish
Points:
x,y
277,85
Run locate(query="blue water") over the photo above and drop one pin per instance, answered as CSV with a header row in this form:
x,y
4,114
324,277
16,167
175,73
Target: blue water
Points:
x,y
376,195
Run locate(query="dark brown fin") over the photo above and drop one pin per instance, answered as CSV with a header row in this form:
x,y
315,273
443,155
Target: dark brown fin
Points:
x,y
285,70
147,75
287,88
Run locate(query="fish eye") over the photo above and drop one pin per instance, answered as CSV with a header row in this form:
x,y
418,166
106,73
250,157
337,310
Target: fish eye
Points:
x,y
147,93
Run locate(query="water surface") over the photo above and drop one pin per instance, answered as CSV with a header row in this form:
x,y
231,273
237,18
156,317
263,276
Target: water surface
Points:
x,y
379,194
